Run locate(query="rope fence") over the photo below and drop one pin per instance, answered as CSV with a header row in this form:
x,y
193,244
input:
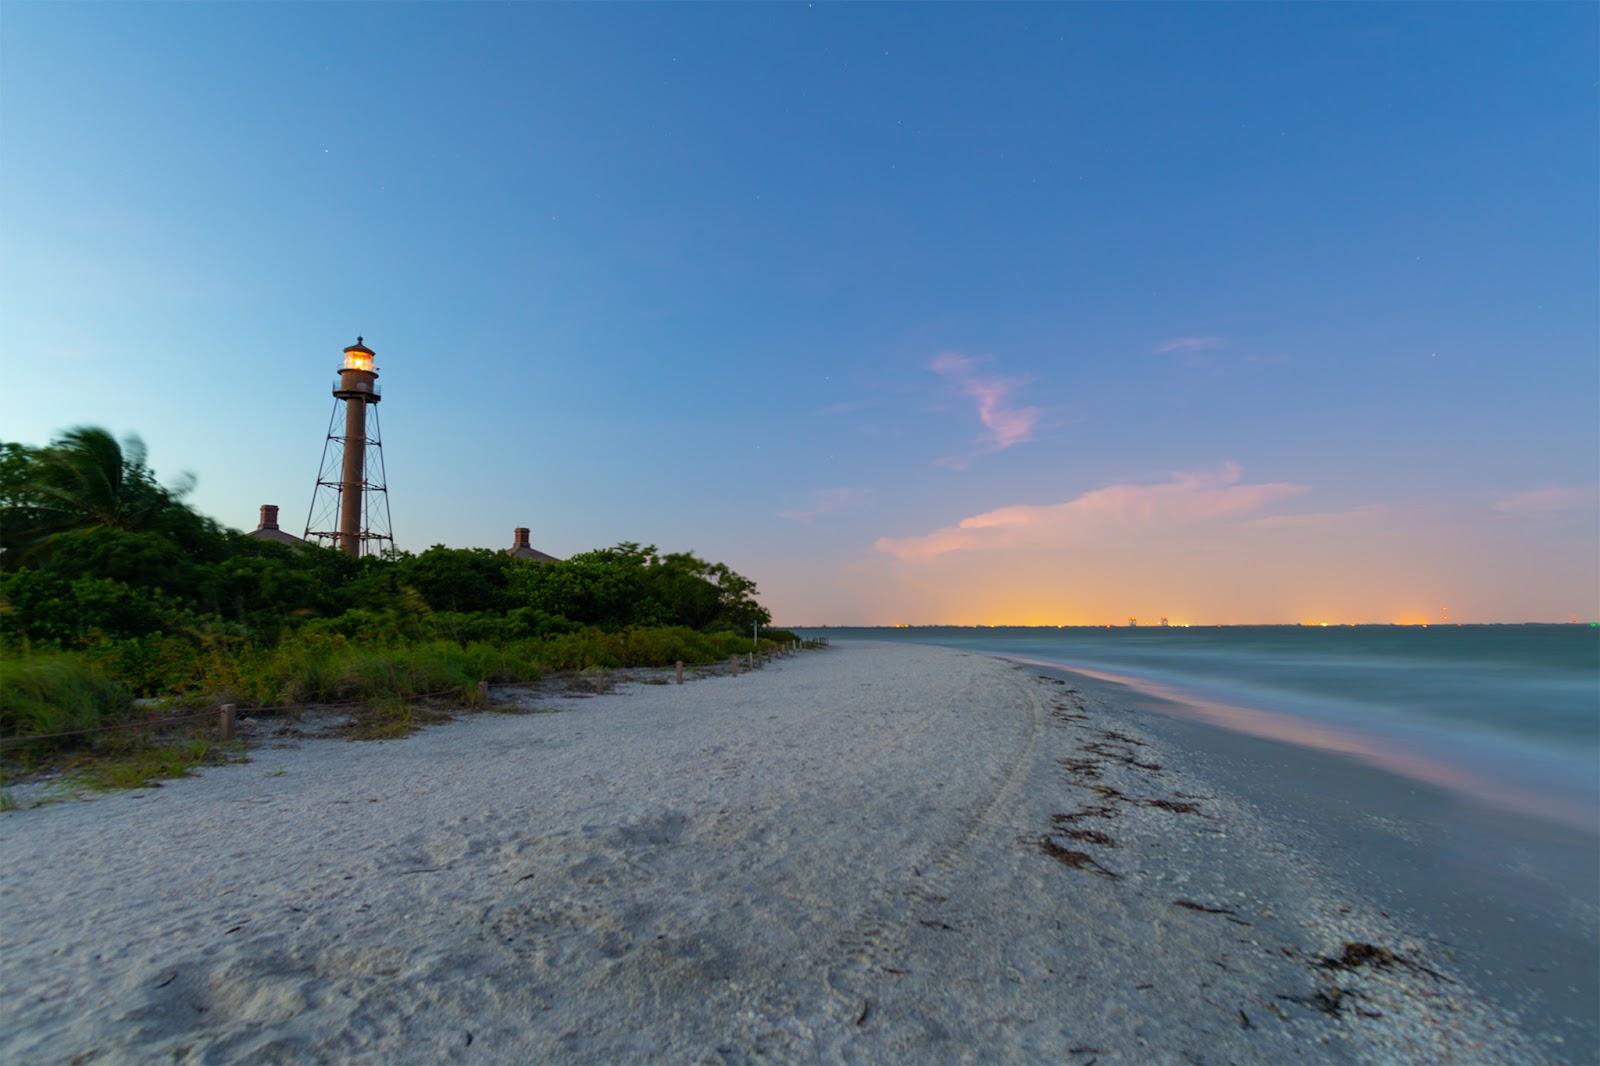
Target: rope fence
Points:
x,y
227,710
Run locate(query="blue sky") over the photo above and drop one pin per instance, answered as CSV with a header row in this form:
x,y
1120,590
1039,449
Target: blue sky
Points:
x,y
749,280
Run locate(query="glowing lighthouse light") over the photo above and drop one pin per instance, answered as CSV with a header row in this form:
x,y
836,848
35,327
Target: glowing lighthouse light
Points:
x,y
357,357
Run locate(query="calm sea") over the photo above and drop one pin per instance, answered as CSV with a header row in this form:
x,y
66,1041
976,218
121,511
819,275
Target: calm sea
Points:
x,y
1507,714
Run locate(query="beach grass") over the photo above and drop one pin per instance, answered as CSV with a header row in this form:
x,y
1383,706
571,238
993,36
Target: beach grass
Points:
x,y
53,693
138,765
391,718
391,690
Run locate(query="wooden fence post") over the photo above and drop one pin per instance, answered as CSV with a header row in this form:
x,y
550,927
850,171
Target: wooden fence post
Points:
x,y
733,661
680,671
483,693
752,659
225,725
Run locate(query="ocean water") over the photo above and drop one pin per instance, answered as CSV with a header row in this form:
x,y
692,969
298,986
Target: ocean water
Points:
x,y
1506,715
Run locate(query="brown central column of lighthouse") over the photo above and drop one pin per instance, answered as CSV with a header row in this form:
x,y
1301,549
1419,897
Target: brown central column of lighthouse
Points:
x,y
350,480
358,379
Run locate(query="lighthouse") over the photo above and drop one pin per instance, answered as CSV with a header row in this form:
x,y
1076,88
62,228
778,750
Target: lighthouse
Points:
x,y
350,503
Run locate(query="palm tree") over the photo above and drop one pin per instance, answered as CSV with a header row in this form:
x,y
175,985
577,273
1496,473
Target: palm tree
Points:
x,y
89,481
83,481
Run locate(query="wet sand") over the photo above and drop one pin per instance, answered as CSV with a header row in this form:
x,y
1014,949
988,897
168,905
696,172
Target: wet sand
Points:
x,y
873,853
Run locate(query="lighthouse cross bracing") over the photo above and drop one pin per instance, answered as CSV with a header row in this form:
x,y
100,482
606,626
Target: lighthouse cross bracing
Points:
x,y
322,523
350,503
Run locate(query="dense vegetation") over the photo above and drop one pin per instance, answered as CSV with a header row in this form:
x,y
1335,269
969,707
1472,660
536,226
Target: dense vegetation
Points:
x,y
112,587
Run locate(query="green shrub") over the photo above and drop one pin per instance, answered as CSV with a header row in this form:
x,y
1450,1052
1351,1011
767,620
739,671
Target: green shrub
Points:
x,y
156,664
503,664
303,669
652,646
406,672
96,549
325,668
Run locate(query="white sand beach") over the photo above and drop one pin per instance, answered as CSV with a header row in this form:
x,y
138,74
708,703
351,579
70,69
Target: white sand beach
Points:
x,y
863,854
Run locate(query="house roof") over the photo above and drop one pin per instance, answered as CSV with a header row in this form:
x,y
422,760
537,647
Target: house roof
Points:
x,y
276,535
523,551
268,528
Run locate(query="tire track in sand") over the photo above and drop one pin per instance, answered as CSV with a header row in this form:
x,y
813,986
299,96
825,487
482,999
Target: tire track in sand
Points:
x,y
881,932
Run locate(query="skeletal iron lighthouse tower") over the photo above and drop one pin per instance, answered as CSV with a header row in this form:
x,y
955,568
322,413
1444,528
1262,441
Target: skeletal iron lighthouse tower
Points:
x,y
350,505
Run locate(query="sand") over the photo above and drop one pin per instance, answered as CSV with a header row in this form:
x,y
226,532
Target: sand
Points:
x,y
859,854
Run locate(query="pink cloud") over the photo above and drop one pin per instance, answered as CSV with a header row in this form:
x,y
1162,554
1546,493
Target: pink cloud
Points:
x,y
1189,344
1006,425
1546,501
827,501
1102,515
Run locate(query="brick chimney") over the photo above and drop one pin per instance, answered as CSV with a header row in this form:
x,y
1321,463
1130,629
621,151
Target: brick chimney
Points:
x,y
269,516
519,537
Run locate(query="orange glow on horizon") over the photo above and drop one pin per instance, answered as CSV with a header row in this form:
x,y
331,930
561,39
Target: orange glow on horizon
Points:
x,y
1025,619
1243,583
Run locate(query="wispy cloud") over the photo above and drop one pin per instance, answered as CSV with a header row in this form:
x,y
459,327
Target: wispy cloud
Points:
x,y
827,501
1190,344
1551,500
1103,514
1004,425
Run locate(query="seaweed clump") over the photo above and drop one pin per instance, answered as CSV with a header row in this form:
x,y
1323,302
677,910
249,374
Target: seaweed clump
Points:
x,y
1078,860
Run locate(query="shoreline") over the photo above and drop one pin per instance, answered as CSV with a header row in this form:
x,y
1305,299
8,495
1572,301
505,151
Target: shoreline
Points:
x,y
1509,896
1405,758
877,853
